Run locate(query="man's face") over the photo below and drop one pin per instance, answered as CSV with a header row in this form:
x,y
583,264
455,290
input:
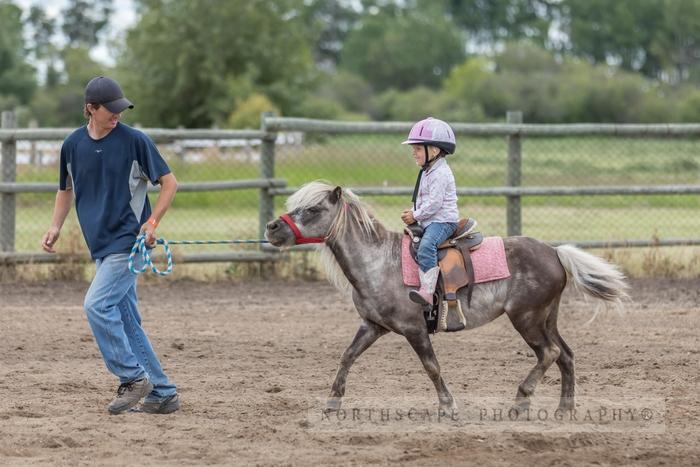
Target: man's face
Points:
x,y
103,118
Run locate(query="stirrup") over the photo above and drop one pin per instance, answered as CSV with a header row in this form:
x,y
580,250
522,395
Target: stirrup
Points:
x,y
444,310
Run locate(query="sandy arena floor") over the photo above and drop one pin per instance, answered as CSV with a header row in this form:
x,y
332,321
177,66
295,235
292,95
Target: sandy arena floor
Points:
x,y
254,362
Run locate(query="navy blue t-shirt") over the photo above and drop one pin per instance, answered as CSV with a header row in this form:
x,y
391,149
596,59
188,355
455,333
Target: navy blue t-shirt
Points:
x,y
110,177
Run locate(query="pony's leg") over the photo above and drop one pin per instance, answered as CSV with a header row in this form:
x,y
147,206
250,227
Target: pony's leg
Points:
x,y
420,341
538,338
366,335
565,362
568,378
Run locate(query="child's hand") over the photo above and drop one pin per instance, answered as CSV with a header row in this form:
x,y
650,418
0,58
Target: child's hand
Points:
x,y
407,217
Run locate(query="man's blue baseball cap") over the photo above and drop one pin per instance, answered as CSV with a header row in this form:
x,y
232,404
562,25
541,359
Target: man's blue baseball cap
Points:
x,y
105,91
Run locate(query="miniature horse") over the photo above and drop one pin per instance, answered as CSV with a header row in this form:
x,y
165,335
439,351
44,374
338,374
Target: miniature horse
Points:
x,y
358,248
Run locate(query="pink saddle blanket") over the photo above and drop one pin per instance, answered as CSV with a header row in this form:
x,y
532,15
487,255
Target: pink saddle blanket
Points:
x,y
489,262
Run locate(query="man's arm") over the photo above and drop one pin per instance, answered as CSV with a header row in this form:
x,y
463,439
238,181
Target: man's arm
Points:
x,y
62,205
168,188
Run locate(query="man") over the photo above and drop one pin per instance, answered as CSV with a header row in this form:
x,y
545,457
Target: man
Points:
x,y
106,165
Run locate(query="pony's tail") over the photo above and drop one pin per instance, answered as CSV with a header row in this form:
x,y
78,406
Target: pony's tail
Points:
x,y
593,275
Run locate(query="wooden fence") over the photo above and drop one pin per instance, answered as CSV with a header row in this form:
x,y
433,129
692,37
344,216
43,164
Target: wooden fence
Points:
x,y
269,186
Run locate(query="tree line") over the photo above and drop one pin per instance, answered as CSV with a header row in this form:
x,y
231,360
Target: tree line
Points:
x,y
203,63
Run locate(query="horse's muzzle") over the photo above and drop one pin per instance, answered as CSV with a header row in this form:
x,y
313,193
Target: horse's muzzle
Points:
x,y
278,233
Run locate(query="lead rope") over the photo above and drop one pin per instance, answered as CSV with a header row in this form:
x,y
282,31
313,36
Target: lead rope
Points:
x,y
140,247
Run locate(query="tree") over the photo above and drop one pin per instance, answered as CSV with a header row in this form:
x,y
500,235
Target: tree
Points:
x,y
493,21
403,49
41,32
329,22
61,104
83,21
185,60
676,45
17,82
620,32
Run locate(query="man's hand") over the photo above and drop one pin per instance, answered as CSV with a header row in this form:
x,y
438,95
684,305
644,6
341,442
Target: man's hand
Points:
x,y
49,239
407,217
149,228
168,187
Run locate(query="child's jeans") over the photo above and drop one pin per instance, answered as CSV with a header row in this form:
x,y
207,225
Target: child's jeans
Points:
x,y
433,235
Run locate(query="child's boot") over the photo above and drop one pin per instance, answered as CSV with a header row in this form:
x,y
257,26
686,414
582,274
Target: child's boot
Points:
x,y
428,280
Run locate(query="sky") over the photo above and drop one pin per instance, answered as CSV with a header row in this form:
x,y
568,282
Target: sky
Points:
x,y
124,17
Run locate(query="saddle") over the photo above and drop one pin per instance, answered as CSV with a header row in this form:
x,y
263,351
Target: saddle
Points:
x,y
456,271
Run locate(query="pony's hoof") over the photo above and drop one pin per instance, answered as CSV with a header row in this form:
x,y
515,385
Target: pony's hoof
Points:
x,y
521,406
448,410
566,406
333,404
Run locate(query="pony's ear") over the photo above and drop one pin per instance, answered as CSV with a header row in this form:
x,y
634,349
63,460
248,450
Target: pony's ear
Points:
x,y
336,194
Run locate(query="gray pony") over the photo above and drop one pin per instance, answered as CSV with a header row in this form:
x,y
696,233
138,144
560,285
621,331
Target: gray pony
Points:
x,y
360,253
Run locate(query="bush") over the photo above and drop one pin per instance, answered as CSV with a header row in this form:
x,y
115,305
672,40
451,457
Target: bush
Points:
x,y
320,107
247,113
351,91
689,105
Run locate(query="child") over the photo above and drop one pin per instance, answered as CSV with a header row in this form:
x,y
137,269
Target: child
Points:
x,y
434,199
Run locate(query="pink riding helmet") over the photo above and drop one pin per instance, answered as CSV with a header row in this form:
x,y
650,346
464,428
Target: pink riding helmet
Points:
x,y
433,132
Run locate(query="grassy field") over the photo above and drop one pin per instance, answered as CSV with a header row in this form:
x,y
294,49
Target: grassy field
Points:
x,y
378,160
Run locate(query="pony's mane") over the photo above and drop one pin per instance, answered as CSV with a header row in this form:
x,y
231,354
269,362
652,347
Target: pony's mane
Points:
x,y
314,193
354,212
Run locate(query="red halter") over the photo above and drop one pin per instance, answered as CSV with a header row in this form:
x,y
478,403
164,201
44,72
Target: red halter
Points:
x,y
299,238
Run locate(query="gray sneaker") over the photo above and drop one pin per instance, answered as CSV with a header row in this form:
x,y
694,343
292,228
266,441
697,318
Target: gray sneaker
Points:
x,y
129,394
168,405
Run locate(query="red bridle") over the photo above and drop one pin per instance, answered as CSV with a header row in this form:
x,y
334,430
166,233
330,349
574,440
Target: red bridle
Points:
x,y
299,239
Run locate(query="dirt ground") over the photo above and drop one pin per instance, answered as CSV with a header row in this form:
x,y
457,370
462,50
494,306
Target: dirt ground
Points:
x,y
254,362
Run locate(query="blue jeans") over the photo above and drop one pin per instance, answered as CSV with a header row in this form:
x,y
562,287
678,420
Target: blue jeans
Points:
x,y
433,235
112,311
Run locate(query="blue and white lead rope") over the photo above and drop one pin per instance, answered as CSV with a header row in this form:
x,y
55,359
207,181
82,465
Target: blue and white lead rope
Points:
x,y
140,247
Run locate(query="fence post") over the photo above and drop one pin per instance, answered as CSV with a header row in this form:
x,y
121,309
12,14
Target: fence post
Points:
x,y
267,171
514,177
9,174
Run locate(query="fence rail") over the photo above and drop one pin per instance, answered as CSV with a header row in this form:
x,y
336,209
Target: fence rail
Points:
x,y
525,191
270,186
159,135
488,129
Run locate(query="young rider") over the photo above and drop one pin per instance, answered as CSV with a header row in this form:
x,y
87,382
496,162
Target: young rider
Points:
x,y
434,199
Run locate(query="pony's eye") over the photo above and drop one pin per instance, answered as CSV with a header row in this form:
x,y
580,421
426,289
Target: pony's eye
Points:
x,y
314,210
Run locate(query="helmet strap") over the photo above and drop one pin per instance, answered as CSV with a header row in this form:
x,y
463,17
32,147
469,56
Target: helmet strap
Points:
x,y
427,157
424,167
417,186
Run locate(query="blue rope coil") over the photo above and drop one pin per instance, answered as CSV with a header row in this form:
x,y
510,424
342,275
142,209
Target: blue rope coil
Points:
x,y
140,248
